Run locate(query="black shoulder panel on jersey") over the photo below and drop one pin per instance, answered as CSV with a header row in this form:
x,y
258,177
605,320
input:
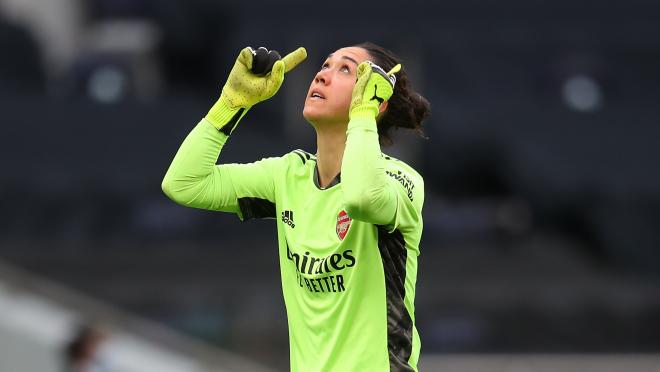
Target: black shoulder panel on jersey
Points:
x,y
302,157
393,253
252,208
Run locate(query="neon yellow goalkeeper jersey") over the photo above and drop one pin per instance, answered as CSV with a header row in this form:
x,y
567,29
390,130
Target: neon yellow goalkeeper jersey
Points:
x,y
348,284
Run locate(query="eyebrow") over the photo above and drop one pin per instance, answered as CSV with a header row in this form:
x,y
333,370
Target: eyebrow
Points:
x,y
344,57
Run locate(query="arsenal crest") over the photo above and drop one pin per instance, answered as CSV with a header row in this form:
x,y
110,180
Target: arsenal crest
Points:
x,y
343,223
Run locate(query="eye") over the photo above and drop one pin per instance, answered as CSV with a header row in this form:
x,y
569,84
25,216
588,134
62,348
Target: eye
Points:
x,y
325,65
345,69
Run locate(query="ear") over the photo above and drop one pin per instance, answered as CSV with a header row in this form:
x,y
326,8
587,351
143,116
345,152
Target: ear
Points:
x,y
382,108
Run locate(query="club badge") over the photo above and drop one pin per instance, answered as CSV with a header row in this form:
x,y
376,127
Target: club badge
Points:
x,y
343,223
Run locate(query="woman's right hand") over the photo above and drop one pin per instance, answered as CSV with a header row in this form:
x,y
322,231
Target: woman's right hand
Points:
x,y
246,87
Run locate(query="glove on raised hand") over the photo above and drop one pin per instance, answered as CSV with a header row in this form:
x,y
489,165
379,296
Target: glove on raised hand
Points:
x,y
373,87
256,76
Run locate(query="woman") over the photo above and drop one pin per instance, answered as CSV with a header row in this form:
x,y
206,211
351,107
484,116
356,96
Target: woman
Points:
x,y
349,217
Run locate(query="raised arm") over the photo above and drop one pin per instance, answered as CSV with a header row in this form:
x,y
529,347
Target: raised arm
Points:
x,y
193,178
370,194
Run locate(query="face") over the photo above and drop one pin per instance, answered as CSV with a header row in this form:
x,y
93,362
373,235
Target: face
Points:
x,y
329,95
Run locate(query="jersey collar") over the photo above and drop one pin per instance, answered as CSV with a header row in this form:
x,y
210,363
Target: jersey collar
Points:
x,y
335,181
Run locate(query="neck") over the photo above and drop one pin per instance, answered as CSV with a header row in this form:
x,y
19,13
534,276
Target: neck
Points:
x,y
330,144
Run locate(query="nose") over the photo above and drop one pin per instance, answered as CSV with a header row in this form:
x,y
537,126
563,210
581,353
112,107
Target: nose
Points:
x,y
322,77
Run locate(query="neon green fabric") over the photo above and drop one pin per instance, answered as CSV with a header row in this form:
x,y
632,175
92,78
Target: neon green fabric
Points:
x,y
347,253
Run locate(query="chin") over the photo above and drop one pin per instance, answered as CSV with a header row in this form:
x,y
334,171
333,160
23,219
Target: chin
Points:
x,y
311,114
318,116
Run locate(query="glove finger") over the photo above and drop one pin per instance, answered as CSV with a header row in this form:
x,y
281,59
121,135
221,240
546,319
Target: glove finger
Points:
x,y
388,76
394,69
294,58
259,61
363,74
273,56
377,68
263,61
278,70
274,80
246,57
364,71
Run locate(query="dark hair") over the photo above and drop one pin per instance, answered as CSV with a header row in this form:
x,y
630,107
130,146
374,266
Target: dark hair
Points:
x,y
406,108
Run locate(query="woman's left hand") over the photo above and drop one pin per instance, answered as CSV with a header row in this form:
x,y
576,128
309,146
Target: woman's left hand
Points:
x,y
373,87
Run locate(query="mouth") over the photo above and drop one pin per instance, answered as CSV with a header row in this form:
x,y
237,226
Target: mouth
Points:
x,y
316,95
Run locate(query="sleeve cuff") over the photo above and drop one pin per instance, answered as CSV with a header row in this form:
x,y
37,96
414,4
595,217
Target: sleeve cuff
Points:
x,y
212,131
364,111
221,113
363,120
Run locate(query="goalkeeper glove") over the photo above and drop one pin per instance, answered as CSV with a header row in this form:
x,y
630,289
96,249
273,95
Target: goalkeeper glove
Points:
x,y
256,76
373,87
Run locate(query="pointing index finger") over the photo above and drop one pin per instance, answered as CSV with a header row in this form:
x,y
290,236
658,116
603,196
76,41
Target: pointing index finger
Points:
x,y
294,58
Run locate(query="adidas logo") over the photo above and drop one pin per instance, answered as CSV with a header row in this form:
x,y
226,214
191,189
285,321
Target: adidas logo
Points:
x,y
287,218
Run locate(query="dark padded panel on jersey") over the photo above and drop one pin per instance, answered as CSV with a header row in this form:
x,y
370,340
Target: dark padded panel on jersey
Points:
x,y
393,253
252,208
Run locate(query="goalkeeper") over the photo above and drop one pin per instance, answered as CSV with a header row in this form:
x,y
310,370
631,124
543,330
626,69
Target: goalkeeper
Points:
x,y
349,217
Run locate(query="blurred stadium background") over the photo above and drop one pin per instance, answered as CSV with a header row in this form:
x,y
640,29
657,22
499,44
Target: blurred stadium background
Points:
x,y
541,248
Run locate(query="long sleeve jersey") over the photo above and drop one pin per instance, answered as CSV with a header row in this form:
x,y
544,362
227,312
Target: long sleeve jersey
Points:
x,y
347,252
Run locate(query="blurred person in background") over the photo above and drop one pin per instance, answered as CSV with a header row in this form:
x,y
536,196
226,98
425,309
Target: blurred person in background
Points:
x,y
349,217
21,71
82,354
